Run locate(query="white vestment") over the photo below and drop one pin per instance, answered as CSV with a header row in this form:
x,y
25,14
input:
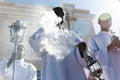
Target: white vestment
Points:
x,y
75,65
110,61
53,64
22,71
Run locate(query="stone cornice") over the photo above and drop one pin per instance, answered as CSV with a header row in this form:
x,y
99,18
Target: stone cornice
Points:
x,y
27,10
16,9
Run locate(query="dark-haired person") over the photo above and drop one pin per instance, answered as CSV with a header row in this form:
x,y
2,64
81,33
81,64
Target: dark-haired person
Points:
x,y
16,68
52,43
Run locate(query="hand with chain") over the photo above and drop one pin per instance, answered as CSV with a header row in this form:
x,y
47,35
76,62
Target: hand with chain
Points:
x,y
115,43
12,59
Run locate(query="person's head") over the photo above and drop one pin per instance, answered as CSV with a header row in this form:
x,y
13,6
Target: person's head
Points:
x,y
20,51
105,21
16,55
53,19
59,12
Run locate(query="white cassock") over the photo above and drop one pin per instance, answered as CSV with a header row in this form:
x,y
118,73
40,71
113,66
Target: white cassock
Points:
x,y
22,71
52,67
110,61
75,65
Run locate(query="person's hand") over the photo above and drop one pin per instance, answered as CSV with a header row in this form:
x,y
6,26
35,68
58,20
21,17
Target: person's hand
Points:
x,y
13,57
82,46
116,41
114,44
91,78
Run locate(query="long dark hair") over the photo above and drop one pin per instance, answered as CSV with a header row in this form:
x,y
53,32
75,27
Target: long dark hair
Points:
x,y
59,12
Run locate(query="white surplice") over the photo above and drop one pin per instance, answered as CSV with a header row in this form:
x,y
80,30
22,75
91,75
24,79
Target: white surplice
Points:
x,y
110,61
75,65
62,42
22,71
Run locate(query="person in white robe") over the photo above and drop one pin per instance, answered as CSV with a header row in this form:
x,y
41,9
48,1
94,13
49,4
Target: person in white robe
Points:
x,y
106,49
53,44
16,68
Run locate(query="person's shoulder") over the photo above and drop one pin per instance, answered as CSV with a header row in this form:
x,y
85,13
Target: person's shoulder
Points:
x,y
95,35
27,63
70,32
30,65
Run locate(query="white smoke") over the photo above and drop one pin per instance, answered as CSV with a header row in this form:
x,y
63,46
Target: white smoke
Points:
x,y
56,42
49,21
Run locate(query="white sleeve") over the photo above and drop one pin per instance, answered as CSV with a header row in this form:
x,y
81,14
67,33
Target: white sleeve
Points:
x,y
34,42
76,37
32,72
100,53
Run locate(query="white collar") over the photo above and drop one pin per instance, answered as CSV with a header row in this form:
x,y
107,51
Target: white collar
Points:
x,y
19,60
